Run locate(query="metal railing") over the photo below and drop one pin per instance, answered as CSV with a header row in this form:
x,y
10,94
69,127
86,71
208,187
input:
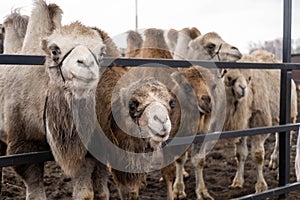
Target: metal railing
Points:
x,y
285,99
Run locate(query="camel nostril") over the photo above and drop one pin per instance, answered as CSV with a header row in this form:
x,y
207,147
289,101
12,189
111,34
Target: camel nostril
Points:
x,y
206,98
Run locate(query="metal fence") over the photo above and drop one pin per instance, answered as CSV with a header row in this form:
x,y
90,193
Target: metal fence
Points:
x,y
284,186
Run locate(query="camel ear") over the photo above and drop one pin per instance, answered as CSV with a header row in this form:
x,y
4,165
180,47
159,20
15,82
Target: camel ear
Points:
x,y
102,53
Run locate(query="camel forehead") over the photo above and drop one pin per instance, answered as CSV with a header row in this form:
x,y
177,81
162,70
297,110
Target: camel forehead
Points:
x,y
70,36
151,91
211,37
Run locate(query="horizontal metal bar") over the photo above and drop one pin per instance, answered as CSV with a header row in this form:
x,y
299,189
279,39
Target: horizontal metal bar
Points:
x,y
123,62
25,158
272,192
230,134
6,59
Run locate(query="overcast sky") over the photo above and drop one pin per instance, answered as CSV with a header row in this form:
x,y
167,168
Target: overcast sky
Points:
x,y
237,21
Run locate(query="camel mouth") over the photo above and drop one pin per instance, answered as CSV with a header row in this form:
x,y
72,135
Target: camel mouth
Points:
x,y
157,136
204,110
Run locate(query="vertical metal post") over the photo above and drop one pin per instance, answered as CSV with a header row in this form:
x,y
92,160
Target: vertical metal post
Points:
x,y
285,98
136,15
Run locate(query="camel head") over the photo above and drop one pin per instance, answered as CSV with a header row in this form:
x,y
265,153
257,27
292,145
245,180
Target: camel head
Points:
x,y
74,53
237,83
212,47
148,106
14,29
192,82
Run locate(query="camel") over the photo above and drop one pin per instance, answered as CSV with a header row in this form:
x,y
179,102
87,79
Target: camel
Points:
x,y
252,101
135,104
265,56
14,29
71,73
199,48
184,37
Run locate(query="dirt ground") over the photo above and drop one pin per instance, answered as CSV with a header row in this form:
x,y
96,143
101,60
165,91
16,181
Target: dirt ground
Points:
x,y
218,174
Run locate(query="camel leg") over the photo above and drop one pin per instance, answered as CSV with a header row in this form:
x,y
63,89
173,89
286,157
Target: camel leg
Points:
x,y
31,174
100,179
83,185
258,154
241,152
198,160
168,176
273,164
179,186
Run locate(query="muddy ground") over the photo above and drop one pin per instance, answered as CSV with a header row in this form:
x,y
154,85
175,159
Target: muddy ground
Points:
x,y
218,174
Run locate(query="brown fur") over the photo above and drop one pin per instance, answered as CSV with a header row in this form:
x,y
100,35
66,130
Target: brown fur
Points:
x,y
125,181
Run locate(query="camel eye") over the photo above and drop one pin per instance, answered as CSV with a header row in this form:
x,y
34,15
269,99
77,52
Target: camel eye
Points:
x,y
172,104
229,79
211,46
133,105
249,79
55,52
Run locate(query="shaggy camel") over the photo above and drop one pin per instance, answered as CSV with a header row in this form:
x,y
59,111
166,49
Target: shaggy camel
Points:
x,y
144,107
206,47
264,56
252,101
147,109
14,29
184,37
76,50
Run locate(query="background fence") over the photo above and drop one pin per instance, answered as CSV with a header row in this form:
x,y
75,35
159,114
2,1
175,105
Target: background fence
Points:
x,y
285,99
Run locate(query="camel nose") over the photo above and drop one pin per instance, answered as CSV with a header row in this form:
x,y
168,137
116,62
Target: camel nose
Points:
x,y
243,88
205,104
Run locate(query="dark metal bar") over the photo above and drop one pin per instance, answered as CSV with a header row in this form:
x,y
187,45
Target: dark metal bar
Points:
x,y
271,193
285,99
26,158
231,134
6,59
123,62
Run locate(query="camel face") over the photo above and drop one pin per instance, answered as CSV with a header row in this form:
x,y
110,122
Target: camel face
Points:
x,y
212,47
193,84
150,106
237,83
77,56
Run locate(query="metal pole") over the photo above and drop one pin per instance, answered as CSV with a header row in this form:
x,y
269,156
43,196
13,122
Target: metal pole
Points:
x,y
136,15
285,98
